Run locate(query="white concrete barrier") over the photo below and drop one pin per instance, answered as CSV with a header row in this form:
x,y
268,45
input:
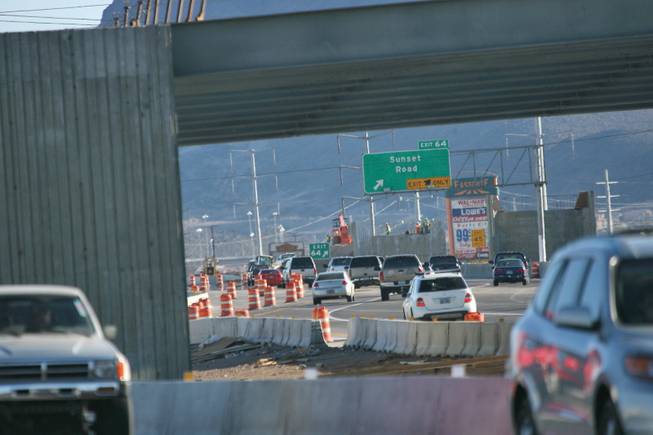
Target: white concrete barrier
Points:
x,y
505,327
354,333
386,405
489,339
472,337
370,333
290,332
406,338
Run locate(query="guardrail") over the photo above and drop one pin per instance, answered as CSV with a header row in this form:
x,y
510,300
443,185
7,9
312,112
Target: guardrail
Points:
x,y
430,338
374,405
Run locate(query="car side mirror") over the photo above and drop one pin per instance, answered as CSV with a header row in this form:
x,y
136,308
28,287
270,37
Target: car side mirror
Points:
x,y
575,317
110,332
490,261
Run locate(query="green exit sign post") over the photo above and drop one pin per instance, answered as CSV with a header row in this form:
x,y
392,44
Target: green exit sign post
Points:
x,y
404,171
431,144
319,251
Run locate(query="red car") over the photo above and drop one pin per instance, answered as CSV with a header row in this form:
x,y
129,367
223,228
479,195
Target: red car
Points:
x,y
272,276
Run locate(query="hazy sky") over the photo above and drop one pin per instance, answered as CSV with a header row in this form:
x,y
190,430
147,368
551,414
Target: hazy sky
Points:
x,y
15,17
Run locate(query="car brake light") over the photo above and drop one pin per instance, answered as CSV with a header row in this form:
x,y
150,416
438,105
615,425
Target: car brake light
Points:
x,y
314,271
523,271
420,303
468,298
381,276
640,366
344,282
420,269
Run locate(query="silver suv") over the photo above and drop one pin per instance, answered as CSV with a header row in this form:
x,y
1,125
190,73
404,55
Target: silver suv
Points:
x,y
582,355
57,369
397,273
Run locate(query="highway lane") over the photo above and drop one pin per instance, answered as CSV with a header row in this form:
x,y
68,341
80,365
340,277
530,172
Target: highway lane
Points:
x,y
504,301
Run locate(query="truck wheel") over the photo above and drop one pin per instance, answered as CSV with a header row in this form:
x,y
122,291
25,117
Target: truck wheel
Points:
x,y
317,301
496,283
384,295
524,282
112,417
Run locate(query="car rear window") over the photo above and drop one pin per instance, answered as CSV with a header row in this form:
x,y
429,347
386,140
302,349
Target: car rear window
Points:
x,y
634,292
510,263
508,256
442,284
443,260
269,272
364,262
302,263
330,275
394,262
340,261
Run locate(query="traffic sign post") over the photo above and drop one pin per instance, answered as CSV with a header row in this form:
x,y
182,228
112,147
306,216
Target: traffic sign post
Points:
x,y
433,144
403,171
319,251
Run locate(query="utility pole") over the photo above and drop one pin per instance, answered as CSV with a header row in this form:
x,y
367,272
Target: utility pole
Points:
x,y
542,204
256,204
418,208
372,206
608,196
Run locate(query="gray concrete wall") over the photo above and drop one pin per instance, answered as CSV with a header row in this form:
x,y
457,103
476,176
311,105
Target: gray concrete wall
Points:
x,y
89,184
517,230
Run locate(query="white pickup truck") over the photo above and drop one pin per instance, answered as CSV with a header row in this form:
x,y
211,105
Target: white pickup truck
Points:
x,y
58,372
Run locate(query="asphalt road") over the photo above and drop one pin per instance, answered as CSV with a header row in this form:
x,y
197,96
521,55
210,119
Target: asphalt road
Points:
x,y
504,301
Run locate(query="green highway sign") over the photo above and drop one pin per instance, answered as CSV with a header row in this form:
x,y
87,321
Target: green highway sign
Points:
x,y
319,251
406,171
435,143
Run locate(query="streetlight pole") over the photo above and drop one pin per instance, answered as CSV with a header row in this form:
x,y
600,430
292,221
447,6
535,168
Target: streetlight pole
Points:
x,y
256,205
372,206
608,196
274,216
542,203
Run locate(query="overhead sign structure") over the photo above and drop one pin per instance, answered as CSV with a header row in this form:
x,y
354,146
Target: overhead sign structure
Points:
x,y
431,144
473,186
403,171
319,251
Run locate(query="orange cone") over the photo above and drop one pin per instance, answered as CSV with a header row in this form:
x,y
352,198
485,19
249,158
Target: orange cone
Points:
x,y
231,289
270,297
227,305
475,317
243,281
219,280
291,294
205,308
241,312
254,301
325,324
260,286
193,312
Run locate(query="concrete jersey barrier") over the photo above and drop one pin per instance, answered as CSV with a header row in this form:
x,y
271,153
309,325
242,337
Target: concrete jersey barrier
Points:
x,y
451,339
371,405
286,332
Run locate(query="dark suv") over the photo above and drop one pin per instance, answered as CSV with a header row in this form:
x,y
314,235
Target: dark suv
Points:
x,y
582,355
444,263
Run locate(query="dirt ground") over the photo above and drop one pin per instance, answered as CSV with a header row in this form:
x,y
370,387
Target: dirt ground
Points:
x,y
235,360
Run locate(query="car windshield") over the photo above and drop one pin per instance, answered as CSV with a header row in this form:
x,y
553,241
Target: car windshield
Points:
x,y
302,263
364,262
43,314
442,284
330,275
510,263
395,262
634,292
342,261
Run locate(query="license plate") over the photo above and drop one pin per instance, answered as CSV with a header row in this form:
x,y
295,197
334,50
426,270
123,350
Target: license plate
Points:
x,y
509,273
330,292
445,300
396,282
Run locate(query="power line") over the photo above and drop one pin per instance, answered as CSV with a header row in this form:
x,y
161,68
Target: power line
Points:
x,y
59,23
49,17
96,5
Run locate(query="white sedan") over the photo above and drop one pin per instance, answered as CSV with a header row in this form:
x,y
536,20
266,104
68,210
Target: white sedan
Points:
x,y
443,296
333,285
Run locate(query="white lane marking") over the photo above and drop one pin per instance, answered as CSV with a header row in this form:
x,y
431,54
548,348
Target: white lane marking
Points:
x,y
338,319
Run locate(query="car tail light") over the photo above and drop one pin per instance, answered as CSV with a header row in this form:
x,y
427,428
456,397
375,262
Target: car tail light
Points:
x,y
523,271
381,276
344,282
314,271
468,298
420,269
420,303
640,366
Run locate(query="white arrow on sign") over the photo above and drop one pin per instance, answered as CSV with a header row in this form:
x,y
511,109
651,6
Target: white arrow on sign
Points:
x,y
378,185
